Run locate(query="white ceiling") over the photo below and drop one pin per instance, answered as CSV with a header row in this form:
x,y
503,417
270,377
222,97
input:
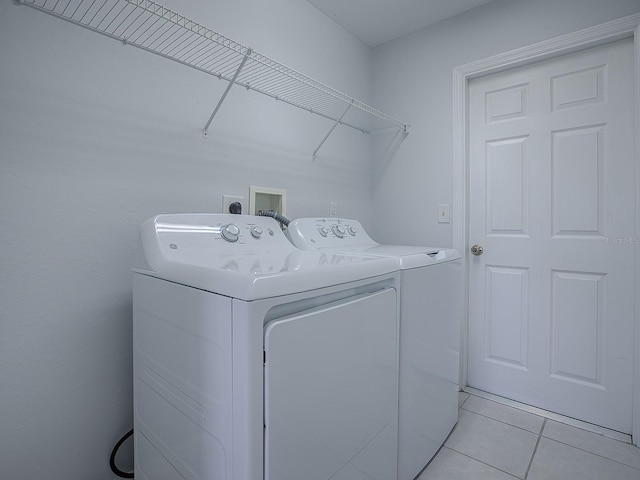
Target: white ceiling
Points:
x,y
378,21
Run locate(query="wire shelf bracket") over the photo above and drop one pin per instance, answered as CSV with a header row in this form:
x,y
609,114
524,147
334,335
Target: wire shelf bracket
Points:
x,y
337,122
151,27
205,131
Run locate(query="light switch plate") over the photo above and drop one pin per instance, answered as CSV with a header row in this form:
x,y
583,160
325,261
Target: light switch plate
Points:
x,y
443,213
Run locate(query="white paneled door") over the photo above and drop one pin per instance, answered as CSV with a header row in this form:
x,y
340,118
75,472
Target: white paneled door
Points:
x,y
552,195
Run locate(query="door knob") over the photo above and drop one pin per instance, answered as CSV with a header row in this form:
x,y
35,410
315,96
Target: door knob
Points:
x,y
477,250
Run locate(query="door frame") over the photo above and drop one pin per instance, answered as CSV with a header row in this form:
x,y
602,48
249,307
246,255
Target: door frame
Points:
x,y
625,27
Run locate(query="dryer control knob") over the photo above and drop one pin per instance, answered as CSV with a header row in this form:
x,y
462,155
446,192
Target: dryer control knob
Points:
x,y
230,232
352,231
323,231
338,231
256,231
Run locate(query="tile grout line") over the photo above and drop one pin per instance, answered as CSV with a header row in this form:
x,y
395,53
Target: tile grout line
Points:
x,y
504,422
541,435
460,407
438,451
604,457
535,449
481,461
622,437
465,400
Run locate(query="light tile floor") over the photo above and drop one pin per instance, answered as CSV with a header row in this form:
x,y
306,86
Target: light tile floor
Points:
x,y
492,441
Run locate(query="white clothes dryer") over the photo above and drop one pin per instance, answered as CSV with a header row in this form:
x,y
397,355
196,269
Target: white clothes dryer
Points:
x,y
255,360
430,318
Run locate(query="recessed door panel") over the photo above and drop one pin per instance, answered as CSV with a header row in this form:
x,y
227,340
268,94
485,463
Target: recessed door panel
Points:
x,y
577,176
577,326
507,313
507,186
506,103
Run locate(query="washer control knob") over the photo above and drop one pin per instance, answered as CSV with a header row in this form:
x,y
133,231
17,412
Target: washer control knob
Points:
x,y
338,231
323,231
230,232
256,231
352,231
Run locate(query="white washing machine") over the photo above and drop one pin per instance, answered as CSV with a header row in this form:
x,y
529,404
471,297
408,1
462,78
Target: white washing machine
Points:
x,y
255,360
430,317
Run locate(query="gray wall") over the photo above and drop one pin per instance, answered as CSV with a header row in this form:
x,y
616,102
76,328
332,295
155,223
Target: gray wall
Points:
x,y
413,78
95,137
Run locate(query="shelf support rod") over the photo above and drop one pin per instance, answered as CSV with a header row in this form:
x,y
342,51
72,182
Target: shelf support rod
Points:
x,y
226,92
337,122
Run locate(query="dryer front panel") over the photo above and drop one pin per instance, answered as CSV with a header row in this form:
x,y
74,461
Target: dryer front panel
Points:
x,y
331,391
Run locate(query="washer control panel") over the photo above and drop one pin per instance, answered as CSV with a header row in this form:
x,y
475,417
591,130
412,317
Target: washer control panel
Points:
x,y
313,233
338,231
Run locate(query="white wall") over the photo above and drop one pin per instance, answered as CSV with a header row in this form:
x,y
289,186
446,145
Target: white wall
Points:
x,y
413,81
95,137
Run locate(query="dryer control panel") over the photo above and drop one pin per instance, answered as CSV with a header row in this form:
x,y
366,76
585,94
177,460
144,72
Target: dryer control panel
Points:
x,y
219,233
314,233
213,242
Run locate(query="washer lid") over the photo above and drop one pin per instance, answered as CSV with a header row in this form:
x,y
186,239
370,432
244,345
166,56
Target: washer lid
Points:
x,y
242,256
348,236
406,256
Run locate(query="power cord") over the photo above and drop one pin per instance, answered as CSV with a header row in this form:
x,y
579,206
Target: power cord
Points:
x,y
112,460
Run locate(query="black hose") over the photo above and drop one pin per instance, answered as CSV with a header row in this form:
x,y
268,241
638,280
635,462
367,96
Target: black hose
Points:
x,y
272,213
112,460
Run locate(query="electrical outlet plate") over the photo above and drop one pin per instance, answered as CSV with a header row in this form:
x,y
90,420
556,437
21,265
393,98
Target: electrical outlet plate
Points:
x,y
229,199
333,209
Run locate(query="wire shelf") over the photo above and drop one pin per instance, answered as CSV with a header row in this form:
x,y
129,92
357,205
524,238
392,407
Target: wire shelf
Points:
x,y
156,29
